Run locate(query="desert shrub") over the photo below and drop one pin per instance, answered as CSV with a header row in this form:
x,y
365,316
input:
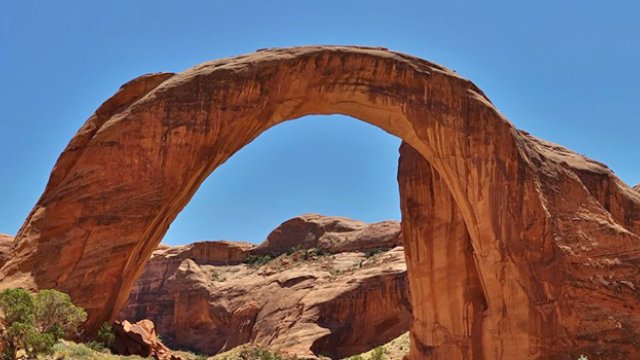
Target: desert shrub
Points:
x,y
103,338
258,260
35,322
190,356
314,253
69,350
257,353
378,353
372,252
105,334
56,314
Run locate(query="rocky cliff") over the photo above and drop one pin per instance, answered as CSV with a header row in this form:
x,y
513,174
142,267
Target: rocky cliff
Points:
x,y
317,285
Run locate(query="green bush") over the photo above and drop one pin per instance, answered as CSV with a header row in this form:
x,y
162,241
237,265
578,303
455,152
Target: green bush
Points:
x,y
372,252
378,353
68,350
258,354
56,314
105,335
258,260
35,322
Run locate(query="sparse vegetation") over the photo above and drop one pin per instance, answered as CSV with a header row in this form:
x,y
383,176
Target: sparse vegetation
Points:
x,y
215,276
374,251
294,254
70,350
257,260
378,353
250,352
396,349
313,253
33,323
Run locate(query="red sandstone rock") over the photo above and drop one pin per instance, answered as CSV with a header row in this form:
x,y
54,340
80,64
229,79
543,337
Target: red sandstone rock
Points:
x,y
139,339
553,235
337,305
330,234
6,242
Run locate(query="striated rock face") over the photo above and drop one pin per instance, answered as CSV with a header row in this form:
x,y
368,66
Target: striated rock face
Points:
x,y
309,301
6,242
139,339
637,187
553,235
330,234
588,280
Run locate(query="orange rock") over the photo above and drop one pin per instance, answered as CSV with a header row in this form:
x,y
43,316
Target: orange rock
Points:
x,y
331,234
303,304
6,242
554,236
139,339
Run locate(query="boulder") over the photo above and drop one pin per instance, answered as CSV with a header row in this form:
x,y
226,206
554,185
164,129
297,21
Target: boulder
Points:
x,y
140,339
331,234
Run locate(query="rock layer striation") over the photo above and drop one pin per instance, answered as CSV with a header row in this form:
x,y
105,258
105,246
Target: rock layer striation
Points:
x,y
313,297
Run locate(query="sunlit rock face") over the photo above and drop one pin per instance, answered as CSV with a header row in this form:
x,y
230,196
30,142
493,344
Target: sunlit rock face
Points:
x,y
330,286
6,241
552,236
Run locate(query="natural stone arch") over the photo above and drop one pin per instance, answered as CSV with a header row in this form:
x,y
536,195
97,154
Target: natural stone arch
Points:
x,y
138,160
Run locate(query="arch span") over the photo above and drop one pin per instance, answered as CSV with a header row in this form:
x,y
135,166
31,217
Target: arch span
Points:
x,y
138,160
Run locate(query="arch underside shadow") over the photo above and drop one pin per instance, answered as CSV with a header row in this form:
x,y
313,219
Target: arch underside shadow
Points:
x,y
499,228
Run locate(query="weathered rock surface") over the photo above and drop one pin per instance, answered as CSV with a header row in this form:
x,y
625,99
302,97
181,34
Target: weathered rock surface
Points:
x,y
553,236
139,339
6,242
330,234
316,299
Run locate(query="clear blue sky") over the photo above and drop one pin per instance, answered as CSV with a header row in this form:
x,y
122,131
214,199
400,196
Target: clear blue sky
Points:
x,y
565,70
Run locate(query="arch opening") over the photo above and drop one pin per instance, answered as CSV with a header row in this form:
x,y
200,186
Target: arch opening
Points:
x,y
330,165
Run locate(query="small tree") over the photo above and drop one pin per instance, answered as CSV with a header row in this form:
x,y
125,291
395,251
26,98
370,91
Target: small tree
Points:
x,y
35,322
17,324
56,314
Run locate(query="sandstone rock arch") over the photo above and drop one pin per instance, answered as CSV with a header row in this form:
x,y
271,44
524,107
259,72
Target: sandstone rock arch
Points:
x,y
516,248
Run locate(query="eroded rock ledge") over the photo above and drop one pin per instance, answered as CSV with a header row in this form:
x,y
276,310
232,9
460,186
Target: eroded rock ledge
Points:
x,y
335,287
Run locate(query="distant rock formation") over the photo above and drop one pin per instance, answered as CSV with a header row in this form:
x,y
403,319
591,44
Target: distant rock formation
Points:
x,y
306,290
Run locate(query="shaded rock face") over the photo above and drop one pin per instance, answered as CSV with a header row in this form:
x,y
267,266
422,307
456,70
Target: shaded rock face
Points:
x,y
554,236
139,339
305,302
